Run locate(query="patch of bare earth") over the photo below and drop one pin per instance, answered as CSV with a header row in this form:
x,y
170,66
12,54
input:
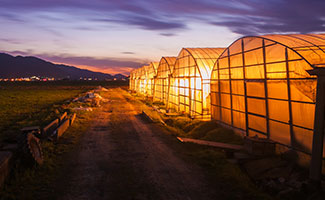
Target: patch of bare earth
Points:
x,y
123,157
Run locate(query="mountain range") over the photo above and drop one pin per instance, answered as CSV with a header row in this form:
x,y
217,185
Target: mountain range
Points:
x,y
20,66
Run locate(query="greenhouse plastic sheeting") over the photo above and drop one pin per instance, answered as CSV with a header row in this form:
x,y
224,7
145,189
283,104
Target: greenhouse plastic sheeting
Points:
x,y
132,80
260,85
162,80
150,73
190,82
141,81
137,80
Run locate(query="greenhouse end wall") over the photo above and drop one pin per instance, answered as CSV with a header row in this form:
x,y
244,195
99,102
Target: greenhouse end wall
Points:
x,y
162,80
150,73
190,82
132,80
142,80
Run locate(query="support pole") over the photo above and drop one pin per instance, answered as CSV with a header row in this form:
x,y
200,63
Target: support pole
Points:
x,y
289,97
266,94
315,171
230,90
245,86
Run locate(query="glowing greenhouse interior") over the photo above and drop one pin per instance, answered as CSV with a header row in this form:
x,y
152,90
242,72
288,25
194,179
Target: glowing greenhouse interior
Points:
x,y
260,85
142,80
190,82
162,79
150,73
132,80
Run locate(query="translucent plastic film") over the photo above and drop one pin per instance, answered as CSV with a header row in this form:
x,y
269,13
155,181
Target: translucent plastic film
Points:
x,y
260,85
162,80
190,86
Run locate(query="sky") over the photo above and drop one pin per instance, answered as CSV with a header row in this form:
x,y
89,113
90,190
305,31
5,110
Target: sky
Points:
x,y
116,36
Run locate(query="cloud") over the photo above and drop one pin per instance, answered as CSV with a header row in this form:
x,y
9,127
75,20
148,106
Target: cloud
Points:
x,y
11,41
240,16
154,24
108,65
276,16
128,52
91,61
145,22
136,13
27,52
11,17
168,34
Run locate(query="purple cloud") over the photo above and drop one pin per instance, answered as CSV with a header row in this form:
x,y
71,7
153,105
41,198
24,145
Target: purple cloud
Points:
x,y
11,17
145,22
91,61
168,34
277,16
128,52
240,16
154,24
11,41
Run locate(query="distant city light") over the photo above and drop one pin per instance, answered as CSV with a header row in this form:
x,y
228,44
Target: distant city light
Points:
x,y
44,79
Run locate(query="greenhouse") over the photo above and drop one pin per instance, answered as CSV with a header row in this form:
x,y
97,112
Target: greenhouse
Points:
x,y
150,73
190,82
132,80
260,85
142,80
162,80
137,80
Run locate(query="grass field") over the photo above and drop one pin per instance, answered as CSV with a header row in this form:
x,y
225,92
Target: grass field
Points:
x,y
37,103
39,182
31,106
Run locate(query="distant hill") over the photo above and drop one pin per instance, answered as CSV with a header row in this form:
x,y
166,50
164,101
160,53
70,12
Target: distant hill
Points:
x,y
19,66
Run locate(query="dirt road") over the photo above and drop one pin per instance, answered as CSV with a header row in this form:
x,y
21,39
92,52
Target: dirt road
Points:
x,y
123,157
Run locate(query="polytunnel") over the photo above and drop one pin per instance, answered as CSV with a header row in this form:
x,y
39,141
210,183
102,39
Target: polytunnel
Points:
x,y
142,82
162,79
190,82
150,73
132,80
260,85
137,80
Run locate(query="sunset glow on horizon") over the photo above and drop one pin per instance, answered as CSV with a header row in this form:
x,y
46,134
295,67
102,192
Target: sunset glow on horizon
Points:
x,y
118,36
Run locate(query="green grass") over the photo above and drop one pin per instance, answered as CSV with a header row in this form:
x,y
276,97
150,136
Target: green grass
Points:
x,y
213,132
39,182
203,130
184,126
228,179
32,105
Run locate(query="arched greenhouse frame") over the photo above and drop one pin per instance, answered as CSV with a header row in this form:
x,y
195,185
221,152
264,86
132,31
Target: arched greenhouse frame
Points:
x,y
150,73
162,79
261,85
190,82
